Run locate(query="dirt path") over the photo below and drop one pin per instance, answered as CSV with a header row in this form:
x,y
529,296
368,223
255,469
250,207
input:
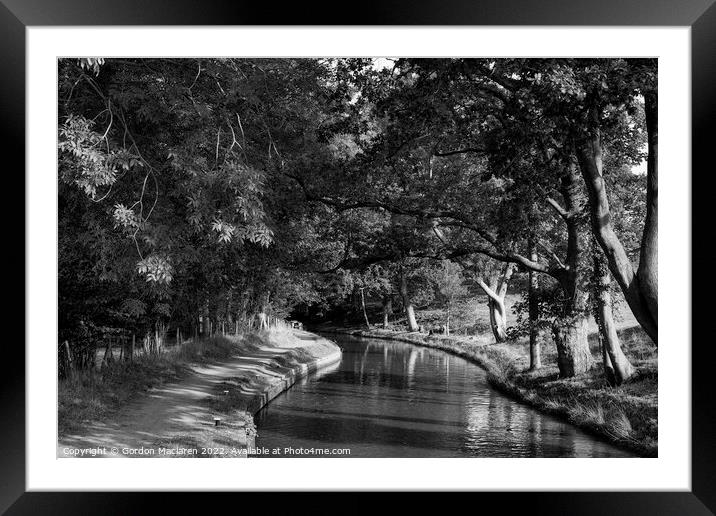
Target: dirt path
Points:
x,y
175,418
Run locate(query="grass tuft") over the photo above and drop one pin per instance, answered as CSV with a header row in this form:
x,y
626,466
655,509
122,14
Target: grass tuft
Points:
x,y
619,425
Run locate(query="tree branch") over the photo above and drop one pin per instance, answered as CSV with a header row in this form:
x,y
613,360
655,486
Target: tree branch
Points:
x,y
459,151
559,209
502,256
553,255
493,251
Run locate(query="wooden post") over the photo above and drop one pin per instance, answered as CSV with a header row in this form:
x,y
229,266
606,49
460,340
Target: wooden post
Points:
x,y
131,354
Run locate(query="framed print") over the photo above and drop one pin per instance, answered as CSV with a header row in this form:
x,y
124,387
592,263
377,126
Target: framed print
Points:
x,y
418,252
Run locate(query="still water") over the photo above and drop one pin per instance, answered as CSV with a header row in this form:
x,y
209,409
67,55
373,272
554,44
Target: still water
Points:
x,y
390,399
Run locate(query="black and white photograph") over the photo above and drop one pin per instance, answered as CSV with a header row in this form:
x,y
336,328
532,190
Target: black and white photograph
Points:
x,y
357,257
403,246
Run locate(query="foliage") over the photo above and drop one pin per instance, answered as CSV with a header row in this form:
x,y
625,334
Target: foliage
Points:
x,y
449,282
217,188
165,212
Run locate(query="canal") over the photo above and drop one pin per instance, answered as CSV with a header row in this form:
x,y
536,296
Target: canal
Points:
x,y
391,399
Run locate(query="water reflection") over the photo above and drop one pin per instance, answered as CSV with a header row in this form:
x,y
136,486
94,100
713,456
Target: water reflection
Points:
x,y
389,399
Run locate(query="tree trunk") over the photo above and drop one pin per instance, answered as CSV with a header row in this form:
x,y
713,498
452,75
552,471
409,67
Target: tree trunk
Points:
x,y
205,325
157,340
242,313
496,292
535,344
573,355
70,363
412,321
387,310
407,304
498,321
607,362
648,256
640,289
107,358
263,315
447,320
362,303
617,367
570,330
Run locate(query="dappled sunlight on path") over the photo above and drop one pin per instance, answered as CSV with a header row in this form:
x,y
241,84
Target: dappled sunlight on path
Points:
x,y
181,413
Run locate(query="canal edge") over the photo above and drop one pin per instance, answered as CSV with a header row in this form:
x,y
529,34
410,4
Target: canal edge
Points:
x,y
287,380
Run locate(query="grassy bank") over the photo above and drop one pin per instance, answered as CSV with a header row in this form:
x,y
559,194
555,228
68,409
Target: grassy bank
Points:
x,y
625,416
95,395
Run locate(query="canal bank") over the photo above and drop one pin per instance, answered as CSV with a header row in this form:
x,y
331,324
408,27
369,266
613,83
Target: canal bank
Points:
x,y
269,371
624,416
208,408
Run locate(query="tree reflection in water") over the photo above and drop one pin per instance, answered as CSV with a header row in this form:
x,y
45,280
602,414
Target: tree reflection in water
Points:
x,y
389,399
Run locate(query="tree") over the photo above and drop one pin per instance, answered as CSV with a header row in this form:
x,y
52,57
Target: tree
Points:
x,y
498,279
617,368
534,314
640,286
506,119
173,203
449,286
466,192
215,189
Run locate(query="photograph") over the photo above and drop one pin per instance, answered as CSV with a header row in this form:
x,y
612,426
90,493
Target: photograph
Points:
x,y
413,247
357,257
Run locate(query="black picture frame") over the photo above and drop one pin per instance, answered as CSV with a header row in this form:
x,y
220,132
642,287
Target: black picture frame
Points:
x,y
700,15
